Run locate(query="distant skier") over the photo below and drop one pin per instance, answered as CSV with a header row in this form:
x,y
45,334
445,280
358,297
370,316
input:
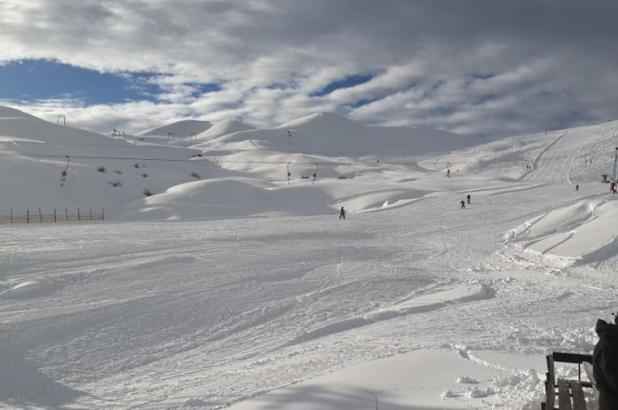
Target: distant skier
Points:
x,y
468,199
342,213
462,203
448,173
576,187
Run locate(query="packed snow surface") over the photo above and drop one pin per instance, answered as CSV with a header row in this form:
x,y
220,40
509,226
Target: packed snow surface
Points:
x,y
238,286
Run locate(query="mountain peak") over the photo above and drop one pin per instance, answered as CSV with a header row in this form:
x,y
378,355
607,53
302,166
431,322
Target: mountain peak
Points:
x,y
223,127
322,118
180,129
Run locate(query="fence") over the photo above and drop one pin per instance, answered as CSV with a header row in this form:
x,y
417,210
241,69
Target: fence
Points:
x,y
66,215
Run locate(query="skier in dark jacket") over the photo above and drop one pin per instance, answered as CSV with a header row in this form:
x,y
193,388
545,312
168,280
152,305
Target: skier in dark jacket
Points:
x,y
342,213
605,364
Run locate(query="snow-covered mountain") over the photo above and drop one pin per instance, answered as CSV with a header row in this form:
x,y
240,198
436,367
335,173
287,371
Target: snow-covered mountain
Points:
x,y
332,160
117,173
223,127
333,135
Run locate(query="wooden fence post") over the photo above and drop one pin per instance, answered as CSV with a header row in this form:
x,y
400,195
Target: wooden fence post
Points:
x,y
27,216
66,214
79,216
91,214
55,219
40,216
11,215
103,213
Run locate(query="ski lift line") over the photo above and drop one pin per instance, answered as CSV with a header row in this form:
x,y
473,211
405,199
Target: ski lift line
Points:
x,y
102,157
98,157
59,143
224,161
160,159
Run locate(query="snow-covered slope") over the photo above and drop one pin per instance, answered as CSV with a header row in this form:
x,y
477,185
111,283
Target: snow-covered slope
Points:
x,y
179,129
573,156
101,171
223,127
257,297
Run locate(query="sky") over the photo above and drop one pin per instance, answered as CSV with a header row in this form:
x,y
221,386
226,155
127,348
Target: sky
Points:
x,y
481,67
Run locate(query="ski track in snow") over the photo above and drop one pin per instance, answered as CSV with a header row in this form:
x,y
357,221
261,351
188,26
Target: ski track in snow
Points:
x,y
189,313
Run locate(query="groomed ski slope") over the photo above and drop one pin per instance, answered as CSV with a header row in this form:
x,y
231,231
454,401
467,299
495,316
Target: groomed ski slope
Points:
x,y
206,313
410,303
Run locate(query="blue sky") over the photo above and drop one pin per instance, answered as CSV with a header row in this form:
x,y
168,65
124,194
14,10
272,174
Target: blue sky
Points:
x,y
470,66
29,81
345,82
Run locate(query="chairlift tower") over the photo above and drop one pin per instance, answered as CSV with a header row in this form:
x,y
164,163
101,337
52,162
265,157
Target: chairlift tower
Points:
x,y
615,161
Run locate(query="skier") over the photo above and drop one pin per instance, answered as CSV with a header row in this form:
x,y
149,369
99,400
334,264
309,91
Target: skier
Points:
x,y
342,213
605,363
448,173
576,187
462,203
65,172
468,198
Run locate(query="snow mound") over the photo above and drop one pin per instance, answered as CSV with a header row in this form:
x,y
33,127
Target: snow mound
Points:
x,y
231,197
583,232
